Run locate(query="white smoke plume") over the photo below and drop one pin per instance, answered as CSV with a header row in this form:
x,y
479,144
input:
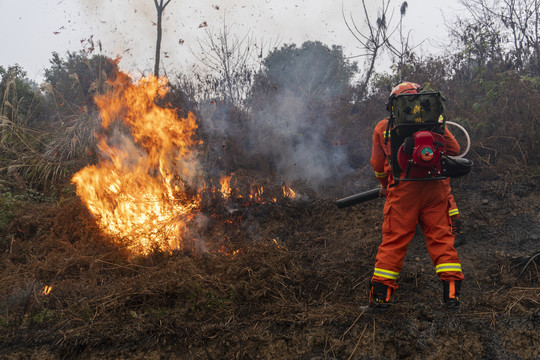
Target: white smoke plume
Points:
x,y
289,133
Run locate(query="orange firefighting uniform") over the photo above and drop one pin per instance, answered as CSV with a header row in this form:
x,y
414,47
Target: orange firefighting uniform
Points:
x,y
428,203
380,129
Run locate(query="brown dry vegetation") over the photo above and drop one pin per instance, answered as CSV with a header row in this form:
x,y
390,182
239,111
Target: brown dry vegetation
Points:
x,y
294,298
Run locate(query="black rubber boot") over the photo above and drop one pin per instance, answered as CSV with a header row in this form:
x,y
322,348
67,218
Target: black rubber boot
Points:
x,y
451,291
378,299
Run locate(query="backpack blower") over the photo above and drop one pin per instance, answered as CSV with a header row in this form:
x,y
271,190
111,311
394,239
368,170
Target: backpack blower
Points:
x,y
416,132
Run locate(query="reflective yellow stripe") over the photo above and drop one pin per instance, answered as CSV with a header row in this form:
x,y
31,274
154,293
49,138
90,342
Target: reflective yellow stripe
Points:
x,y
453,212
386,274
380,175
448,267
387,134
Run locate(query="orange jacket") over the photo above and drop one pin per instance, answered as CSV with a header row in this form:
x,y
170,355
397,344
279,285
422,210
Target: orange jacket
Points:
x,y
380,152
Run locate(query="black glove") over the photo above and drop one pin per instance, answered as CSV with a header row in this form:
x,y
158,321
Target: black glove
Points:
x,y
457,229
457,226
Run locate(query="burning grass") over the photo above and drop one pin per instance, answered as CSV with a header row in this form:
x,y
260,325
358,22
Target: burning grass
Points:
x,y
146,191
138,191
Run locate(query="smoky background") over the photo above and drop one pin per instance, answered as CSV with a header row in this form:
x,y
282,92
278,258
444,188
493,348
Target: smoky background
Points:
x,y
295,126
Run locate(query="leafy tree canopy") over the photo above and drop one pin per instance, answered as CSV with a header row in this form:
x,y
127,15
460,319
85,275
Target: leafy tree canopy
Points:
x,y
313,70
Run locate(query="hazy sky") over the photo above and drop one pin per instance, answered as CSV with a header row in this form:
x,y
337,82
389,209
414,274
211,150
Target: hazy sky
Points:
x,y
33,29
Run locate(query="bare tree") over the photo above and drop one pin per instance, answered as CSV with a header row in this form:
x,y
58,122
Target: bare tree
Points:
x,y
404,52
516,23
232,62
377,38
372,42
160,7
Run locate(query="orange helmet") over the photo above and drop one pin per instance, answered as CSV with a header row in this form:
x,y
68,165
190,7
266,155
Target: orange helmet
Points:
x,y
406,88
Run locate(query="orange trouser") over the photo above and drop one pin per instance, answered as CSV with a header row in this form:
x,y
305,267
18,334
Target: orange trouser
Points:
x,y
409,203
453,209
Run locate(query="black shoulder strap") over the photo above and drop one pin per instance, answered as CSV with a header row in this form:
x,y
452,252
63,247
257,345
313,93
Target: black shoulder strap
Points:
x,y
395,143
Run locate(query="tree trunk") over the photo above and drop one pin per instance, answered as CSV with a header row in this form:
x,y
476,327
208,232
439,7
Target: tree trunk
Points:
x,y
365,82
159,8
158,42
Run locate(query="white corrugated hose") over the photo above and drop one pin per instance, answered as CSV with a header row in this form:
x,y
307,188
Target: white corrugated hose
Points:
x,y
466,135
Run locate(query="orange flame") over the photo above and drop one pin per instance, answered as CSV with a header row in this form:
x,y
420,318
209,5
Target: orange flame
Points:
x,y
256,192
46,290
288,192
225,183
138,192
277,244
225,251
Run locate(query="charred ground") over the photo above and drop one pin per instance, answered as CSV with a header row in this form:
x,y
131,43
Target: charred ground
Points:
x,y
279,280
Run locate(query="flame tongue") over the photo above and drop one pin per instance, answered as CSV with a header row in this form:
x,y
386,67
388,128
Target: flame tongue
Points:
x,y
138,193
288,192
225,183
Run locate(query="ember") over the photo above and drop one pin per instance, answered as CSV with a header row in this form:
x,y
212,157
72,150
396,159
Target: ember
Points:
x,y
224,250
46,290
256,193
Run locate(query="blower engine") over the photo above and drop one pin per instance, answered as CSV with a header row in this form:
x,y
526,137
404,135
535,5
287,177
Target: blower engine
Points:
x,y
420,155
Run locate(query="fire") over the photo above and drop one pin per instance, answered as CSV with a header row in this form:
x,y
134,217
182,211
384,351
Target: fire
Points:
x,y
225,183
288,192
138,191
46,290
256,193
225,251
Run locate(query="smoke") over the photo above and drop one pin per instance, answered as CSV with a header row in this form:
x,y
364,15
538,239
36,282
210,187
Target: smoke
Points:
x,y
216,120
291,131
287,131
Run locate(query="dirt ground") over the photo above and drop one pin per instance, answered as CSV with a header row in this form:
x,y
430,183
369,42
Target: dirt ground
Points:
x,y
279,280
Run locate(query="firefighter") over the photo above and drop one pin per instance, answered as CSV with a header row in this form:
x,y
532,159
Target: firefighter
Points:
x,y
453,211
407,204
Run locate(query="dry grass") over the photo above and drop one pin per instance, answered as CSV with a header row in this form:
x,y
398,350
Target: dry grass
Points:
x,y
45,155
